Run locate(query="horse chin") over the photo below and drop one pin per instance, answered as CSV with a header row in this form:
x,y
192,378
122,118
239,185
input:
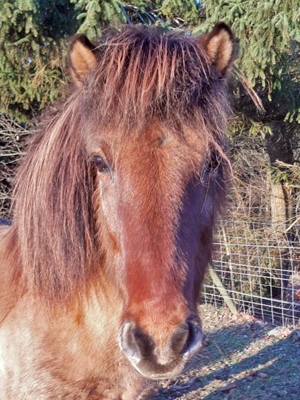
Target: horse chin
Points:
x,y
156,371
151,369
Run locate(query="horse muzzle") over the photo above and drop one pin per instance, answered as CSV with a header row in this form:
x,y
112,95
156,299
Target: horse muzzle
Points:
x,y
162,361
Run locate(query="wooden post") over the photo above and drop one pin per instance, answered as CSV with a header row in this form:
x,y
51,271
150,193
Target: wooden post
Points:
x,y
217,282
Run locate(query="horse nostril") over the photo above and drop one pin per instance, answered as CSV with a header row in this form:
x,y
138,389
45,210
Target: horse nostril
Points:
x,y
179,338
193,342
134,343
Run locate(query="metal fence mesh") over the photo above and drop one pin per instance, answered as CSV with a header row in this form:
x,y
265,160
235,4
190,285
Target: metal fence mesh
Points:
x,y
260,268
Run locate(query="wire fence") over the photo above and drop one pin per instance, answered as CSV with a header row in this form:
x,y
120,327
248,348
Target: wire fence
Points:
x,y
259,266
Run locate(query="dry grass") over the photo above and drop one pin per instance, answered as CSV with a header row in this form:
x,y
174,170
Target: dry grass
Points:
x,y
12,143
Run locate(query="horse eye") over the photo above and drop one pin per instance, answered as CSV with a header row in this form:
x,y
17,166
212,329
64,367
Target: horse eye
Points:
x,y
100,163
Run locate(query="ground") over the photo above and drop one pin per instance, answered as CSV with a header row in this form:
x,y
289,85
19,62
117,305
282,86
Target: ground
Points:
x,y
243,358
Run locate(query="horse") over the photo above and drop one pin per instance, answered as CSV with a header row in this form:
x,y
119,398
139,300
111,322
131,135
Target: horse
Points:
x,y
114,208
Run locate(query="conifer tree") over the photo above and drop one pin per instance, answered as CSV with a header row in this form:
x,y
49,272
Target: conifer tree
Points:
x,y
33,41
30,53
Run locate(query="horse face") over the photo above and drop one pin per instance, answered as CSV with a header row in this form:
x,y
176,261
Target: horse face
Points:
x,y
155,196
156,204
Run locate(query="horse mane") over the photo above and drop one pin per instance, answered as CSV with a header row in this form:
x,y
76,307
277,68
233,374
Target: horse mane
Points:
x,y
145,73
53,214
141,74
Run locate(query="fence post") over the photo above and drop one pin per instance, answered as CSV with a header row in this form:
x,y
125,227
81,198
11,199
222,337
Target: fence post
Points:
x,y
217,282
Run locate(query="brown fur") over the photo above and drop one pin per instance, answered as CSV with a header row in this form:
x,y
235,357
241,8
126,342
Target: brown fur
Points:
x,y
89,250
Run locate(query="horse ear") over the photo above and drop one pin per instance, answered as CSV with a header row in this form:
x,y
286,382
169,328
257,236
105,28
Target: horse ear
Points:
x,y
220,47
81,58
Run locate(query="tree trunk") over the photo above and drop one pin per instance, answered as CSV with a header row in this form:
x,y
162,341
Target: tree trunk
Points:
x,y
278,206
279,148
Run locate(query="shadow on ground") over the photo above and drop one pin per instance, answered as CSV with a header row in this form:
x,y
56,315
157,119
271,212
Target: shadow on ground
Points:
x,y
241,362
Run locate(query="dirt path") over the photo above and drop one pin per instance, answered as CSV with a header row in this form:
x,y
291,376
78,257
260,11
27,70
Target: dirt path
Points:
x,y
243,359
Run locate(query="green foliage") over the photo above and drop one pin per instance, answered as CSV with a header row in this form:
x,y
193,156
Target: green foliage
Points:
x,y
33,41
168,13
31,53
241,125
265,30
94,15
287,174
269,43
180,9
